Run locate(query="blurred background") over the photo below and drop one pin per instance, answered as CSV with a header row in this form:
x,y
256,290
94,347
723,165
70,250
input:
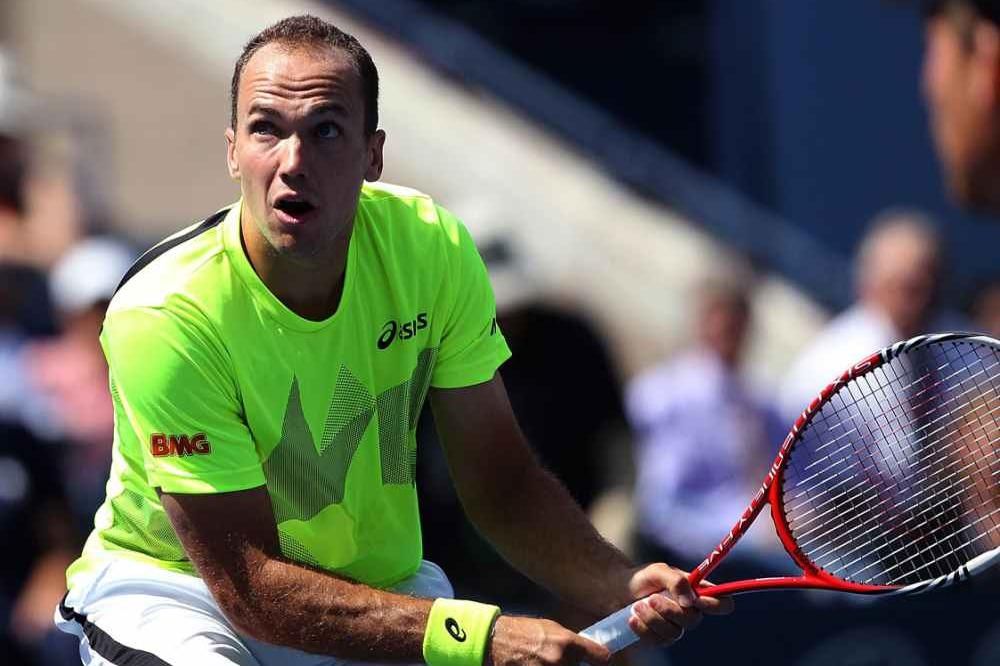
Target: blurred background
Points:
x,y
694,213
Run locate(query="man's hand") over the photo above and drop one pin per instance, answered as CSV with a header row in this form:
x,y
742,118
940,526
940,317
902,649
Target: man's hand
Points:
x,y
663,618
525,641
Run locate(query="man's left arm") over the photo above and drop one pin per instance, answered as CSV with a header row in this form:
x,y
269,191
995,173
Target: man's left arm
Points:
x,y
533,522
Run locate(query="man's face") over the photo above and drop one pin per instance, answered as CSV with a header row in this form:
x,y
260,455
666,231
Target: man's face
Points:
x,y
300,151
902,280
724,322
961,87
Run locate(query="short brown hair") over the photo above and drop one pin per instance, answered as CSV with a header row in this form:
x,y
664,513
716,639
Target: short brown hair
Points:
x,y
306,30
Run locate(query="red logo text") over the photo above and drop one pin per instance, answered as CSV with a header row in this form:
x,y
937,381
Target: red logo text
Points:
x,y
161,445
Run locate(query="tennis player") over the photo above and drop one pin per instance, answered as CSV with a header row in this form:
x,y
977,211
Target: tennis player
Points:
x,y
268,366
962,87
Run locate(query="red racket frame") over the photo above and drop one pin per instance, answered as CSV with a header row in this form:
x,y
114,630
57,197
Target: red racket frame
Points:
x,y
813,577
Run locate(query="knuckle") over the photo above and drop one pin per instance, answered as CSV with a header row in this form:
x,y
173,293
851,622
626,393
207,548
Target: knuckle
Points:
x,y
678,580
667,571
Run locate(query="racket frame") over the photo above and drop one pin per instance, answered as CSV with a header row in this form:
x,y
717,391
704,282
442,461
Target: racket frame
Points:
x,y
812,576
614,632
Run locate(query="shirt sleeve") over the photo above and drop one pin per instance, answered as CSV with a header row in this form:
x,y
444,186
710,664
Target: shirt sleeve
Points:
x,y
472,346
178,399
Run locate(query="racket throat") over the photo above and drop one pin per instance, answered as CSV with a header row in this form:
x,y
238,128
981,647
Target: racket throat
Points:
x,y
738,530
784,583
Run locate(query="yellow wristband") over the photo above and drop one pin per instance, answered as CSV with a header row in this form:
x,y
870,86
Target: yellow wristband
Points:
x,y
457,632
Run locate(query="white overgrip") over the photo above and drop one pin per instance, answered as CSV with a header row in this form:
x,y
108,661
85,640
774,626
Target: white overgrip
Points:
x,y
613,631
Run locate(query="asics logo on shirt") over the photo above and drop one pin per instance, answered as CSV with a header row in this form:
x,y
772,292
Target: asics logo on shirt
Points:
x,y
394,330
161,445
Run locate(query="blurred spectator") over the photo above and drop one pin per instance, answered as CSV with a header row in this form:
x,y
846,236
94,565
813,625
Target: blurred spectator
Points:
x,y
35,524
984,308
70,373
704,437
24,305
899,269
38,545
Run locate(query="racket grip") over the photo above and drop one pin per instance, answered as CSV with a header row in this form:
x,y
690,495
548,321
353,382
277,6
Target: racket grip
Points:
x,y
613,631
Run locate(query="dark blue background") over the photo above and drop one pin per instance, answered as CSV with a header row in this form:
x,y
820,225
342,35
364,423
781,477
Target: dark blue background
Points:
x,y
837,90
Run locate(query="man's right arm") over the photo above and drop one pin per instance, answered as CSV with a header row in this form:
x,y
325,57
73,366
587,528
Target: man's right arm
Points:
x,y
232,540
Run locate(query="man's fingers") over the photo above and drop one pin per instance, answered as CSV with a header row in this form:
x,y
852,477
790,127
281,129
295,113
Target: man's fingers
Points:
x,y
664,626
716,605
667,608
680,589
591,652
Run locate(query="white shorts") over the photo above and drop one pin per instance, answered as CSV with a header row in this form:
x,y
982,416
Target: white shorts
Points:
x,y
132,613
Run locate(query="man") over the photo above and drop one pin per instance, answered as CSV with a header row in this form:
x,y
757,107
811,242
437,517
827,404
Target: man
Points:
x,y
962,86
898,270
267,369
702,432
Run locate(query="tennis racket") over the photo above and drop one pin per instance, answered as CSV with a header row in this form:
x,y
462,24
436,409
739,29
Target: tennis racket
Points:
x,y
888,483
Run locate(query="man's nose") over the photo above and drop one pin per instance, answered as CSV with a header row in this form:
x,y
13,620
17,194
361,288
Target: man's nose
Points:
x,y
293,158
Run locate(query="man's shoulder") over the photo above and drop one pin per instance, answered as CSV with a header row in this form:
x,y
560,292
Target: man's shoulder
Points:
x,y
183,265
407,211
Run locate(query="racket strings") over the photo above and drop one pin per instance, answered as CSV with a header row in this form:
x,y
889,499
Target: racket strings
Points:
x,y
870,512
809,491
841,549
928,523
924,525
928,527
830,504
937,470
896,478
843,414
810,495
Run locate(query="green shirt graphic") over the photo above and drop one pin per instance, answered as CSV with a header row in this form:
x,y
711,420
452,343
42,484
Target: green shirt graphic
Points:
x,y
218,387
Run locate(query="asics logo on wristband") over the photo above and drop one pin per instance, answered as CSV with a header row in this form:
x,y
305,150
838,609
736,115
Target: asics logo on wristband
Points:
x,y
455,631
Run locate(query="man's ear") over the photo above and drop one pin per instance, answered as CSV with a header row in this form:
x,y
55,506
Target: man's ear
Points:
x,y
376,145
231,162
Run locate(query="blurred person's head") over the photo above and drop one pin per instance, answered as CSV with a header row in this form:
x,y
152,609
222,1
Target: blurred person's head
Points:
x,y
723,317
984,308
304,137
84,280
961,81
899,268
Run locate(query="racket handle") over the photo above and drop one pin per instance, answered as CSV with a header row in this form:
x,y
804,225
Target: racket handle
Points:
x,y
613,631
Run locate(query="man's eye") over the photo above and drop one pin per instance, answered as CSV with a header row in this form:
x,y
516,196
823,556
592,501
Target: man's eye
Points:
x,y
262,127
327,131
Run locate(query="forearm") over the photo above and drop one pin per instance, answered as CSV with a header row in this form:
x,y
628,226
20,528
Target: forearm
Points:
x,y
284,603
538,527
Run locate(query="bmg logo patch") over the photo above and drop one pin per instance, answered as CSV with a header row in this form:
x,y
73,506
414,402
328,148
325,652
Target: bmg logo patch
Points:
x,y
162,445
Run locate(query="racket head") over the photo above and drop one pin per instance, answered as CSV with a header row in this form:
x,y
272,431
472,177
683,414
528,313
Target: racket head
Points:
x,y
888,481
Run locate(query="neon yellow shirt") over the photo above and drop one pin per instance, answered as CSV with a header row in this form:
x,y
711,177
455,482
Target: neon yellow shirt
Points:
x,y
218,387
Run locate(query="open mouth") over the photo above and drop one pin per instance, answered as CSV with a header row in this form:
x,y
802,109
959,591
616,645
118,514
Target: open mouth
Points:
x,y
294,207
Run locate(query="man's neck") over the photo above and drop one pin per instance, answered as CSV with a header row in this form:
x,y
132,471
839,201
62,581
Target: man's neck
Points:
x,y
310,290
